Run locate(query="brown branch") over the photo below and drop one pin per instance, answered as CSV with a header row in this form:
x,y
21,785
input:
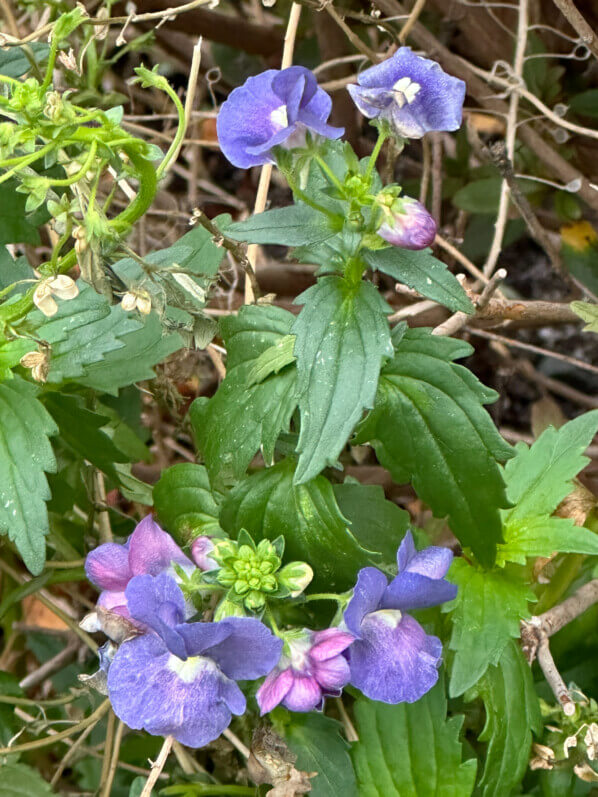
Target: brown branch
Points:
x,y
459,319
157,767
578,22
526,313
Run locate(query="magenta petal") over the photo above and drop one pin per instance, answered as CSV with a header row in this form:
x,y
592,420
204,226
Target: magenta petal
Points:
x,y
114,602
108,567
274,690
304,695
333,674
151,550
329,643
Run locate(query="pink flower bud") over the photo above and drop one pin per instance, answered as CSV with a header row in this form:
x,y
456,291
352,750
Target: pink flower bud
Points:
x,y
201,548
408,224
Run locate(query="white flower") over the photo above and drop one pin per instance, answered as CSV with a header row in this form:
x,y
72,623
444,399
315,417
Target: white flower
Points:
x,y
38,362
61,286
137,299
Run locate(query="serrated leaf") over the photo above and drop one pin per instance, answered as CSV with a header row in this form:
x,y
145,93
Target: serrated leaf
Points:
x,y
540,476
428,426
485,616
542,536
295,225
422,272
317,742
512,713
410,750
342,338
268,504
81,430
134,361
376,523
184,502
20,779
588,313
25,453
240,418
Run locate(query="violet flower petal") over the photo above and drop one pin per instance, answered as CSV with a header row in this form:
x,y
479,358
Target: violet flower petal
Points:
x,y
329,643
432,562
158,602
367,594
152,550
151,689
394,662
274,690
107,566
304,695
409,591
248,652
332,674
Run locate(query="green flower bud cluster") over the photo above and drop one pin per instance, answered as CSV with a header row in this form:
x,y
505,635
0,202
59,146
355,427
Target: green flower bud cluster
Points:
x,y
253,573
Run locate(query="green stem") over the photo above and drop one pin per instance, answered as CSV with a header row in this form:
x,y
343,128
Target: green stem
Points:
x,y
57,701
51,62
308,200
182,126
25,160
329,173
272,621
324,596
382,136
60,243
82,171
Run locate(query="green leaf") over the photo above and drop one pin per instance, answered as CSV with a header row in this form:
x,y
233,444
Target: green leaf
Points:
x,y
80,429
376,523
512,713
485,615
268,504
134,362
482,196
410,750
342,338
295,225
428,426
240,418
272,360
588,313
20,779
25,453
14,61
542,536
16,224
317,742
585,103
422,272
184,502
540,476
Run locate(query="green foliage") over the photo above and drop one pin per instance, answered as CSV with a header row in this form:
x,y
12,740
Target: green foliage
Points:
x,y
485,615
585,103
342,338
25,453
16,61
20,779
295,225
317,742
512,714
410,750
451,463
242,417
17,225
422,272
184,502
588,313
270,502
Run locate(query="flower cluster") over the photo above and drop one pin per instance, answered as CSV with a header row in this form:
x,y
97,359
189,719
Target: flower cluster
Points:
x,y
175,673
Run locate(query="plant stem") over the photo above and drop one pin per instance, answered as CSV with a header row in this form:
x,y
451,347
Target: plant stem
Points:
x,y
182,126
306,199
324,596
25,160
382,136
50,68
82,171
329,173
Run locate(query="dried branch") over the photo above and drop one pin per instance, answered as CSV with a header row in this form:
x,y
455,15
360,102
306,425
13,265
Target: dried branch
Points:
x,y
578,22
459,319
157,767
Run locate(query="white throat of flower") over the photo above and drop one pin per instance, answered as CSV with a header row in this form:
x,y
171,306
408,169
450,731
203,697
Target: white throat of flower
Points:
x,y
405,91
279,117
188,669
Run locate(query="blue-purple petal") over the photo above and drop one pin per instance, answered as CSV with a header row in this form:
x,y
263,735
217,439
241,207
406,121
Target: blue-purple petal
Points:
x,y
367,594
158,603
152,550
394,663
248,652
413,591
107,566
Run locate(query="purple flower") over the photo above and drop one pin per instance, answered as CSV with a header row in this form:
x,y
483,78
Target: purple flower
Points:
x,y
275,108
201,548
180,678
408,224
312,666
393,659
412,93
148,550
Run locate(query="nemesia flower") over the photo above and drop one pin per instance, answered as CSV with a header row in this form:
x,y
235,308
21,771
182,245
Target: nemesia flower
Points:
x,y
61,286
180,678
275,108
412,93
408,224
149,550
311,667
201,548
392,658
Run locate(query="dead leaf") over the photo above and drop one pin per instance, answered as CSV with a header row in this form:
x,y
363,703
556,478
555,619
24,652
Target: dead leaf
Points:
x,y
272,762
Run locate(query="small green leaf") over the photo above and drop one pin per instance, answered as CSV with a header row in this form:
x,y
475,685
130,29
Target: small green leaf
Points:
x,y
20,779
295,225
512,713
428,426
317,742
485,615
14,61
272,360
240,418
588,313
410,750
342,338
482,196
585,103
268,504
422,272
25,453
542,536
184,502
16,225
